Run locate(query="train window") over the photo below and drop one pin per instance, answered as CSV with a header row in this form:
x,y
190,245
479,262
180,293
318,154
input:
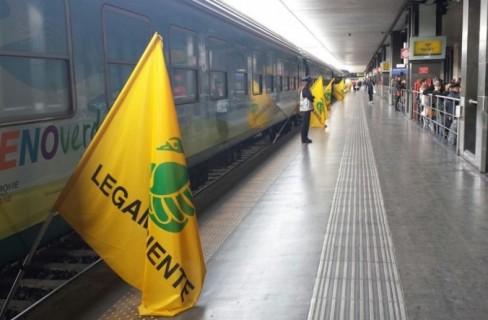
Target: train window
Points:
x,y
286,83
35,26
34,62
239,65
126,36
241,83
33,88
217,53
328,74
257,84
294,83
184,85
257,77
117,75
184,65
218,85
279,83
183,45
291,70
269,83
269,79
279,75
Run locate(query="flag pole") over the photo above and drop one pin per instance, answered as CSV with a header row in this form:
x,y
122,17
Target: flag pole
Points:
x,y
284,124
26,262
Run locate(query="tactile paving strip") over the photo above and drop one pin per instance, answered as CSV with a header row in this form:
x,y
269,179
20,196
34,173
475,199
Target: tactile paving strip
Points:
x,y
358,275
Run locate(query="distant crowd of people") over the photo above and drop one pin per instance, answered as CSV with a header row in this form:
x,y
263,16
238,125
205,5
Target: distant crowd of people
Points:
x,y
435,100
369,85
431,102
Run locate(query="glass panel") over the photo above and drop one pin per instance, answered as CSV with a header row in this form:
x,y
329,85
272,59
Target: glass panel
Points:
x,y
118,76
217,50
280,72
183,48
269,83
241,83
40,26
184,84
33,88
257,77
257,63
126,36
286,85
291,70
218,85
238,61
257,84
279,67
269,75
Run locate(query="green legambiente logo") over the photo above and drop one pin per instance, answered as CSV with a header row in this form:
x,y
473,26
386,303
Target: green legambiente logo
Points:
x,y
320,106
328,95
171,201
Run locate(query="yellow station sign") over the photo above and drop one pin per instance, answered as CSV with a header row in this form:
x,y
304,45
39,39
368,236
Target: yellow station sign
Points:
x,y
427,47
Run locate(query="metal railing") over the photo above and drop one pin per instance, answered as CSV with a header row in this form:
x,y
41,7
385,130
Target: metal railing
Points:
x,y
432,114
385,91
439,114
401,104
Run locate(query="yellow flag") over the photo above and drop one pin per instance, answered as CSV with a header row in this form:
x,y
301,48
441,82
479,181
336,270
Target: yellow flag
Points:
x,y
339,90
129,197
261,110
328,94
317,120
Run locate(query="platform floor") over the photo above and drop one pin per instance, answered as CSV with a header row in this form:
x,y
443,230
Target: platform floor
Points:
x,y
375,219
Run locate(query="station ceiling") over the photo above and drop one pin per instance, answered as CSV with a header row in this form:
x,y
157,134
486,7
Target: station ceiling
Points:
x,y
352,31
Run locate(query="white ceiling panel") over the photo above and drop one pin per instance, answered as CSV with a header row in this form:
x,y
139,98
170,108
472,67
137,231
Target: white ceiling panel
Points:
x,y
349,32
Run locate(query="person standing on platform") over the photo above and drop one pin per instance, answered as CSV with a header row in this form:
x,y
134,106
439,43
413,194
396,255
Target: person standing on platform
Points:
x,y
450,111
399,86
306,107
370,89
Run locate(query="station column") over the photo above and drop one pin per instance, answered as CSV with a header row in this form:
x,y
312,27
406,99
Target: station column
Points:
x,y
483,87
473,123
425,27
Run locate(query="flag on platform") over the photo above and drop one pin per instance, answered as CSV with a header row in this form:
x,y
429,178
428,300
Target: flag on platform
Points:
x,y
328,94
129,197
318,117
339,90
